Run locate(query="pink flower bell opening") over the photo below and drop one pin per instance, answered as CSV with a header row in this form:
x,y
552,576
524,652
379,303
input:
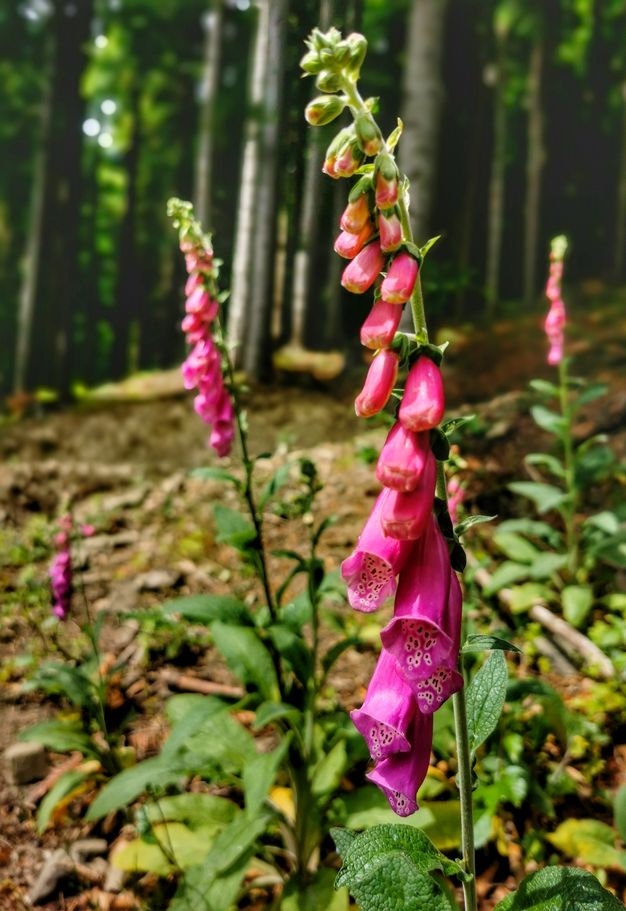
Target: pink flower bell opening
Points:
x,y
387,711
362,272
356,215
418,635
404,516
371,569
403,458
380,325
398,285
445,679
348,244
379,382
390,231
423,402
400,776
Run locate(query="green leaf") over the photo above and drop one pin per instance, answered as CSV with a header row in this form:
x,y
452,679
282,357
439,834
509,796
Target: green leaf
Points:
x,y
485,699
196,811
215,474
515,547
206,609
247,657
544,496
549,462
560,889
468,523
478,643
619,810
278,480
58,792
293,648
203,889
122,790
167,840
188,723
60,736
259,774
548,420
546,565
451,425
269,712
232,528
318,895
522,597
590,841
590,394
506,573
577,601
330,770
55,678
533,529
543,387
217,739
343,838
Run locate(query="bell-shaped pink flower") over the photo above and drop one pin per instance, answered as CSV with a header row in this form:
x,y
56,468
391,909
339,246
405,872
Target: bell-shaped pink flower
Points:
x,y
380,325
400,776
196,280
387,712
390,231
371,569
348,244
362,272
386,191
423,401
356,215
444,679
555,354
406,515
349,160
403,458
398,284
200,359
379,382
419,635
223,432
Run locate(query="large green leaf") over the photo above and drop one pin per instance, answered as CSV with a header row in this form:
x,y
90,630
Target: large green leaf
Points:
x,y
206,609
515,547
485,699
247,657
577,601
60,736
259,774
122,790
198,713
171,846
318,895
330,770
61,789
194,810
504,575
232,528
548,420
544,496
480,643
560,889
590,841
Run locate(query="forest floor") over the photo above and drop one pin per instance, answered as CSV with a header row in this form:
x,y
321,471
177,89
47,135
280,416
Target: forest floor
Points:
x,y
122,463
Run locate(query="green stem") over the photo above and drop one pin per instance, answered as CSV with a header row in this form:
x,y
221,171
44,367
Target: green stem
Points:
x,y
569,513
464,784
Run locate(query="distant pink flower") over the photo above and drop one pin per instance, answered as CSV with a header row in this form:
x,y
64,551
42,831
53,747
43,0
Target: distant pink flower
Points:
x,y
361,273
60,574
556,319
390,231
398,284
87,530
400,776
405,516
356,215
423,401
378,385
371,569
403,458
387,712
223,432
381,325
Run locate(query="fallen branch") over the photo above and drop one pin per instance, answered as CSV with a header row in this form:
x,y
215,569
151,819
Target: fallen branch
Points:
x,y
189,684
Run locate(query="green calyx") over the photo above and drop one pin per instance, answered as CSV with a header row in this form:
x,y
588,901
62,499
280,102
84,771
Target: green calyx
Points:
x,y
363,185
333,58
368,135
386,166
324,109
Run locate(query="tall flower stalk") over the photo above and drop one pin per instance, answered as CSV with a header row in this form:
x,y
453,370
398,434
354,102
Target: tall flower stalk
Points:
x,y
408,547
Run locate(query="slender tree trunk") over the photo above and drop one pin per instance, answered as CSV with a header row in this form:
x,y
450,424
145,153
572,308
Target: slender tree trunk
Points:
x,y
534,167
421,107
213,21
620,227
495,217
266,220
57,293
239,307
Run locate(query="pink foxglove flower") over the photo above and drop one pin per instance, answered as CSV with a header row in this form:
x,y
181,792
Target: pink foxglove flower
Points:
x,y
403,458
405,516
419,635
386,182
400,776
356,215
398,284
555,320
223,432
444,680
348,245
390,231
386,714
371,569
362,272
381,325
379,382
423,402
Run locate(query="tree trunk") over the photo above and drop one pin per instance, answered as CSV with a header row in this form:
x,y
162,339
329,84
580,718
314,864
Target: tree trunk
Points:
x,y
239,306
266,215
534,167
495,216
421,108
56,294
213,21
620,227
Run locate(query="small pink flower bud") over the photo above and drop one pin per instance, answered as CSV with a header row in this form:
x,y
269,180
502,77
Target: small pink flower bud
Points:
x,y
423,401
404,516
397,287
323,110
195,280
356,215
379,382
390,231
348,245
386,182
350,158
381,325
362,272
403,458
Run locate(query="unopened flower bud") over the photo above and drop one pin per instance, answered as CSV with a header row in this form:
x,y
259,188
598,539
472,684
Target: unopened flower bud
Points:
x,y
404,516
311,63
381,325
379,382
327,81
423,401
403,458
348,245
386,181
334,149
355,215
349,160
358,49
368,135
399,282
362,272
323,110
390,231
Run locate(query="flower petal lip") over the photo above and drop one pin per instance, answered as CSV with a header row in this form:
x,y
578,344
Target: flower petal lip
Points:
x,y
400,776
387,711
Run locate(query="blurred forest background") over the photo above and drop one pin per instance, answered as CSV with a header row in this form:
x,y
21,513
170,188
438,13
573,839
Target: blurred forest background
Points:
x,y
515,130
